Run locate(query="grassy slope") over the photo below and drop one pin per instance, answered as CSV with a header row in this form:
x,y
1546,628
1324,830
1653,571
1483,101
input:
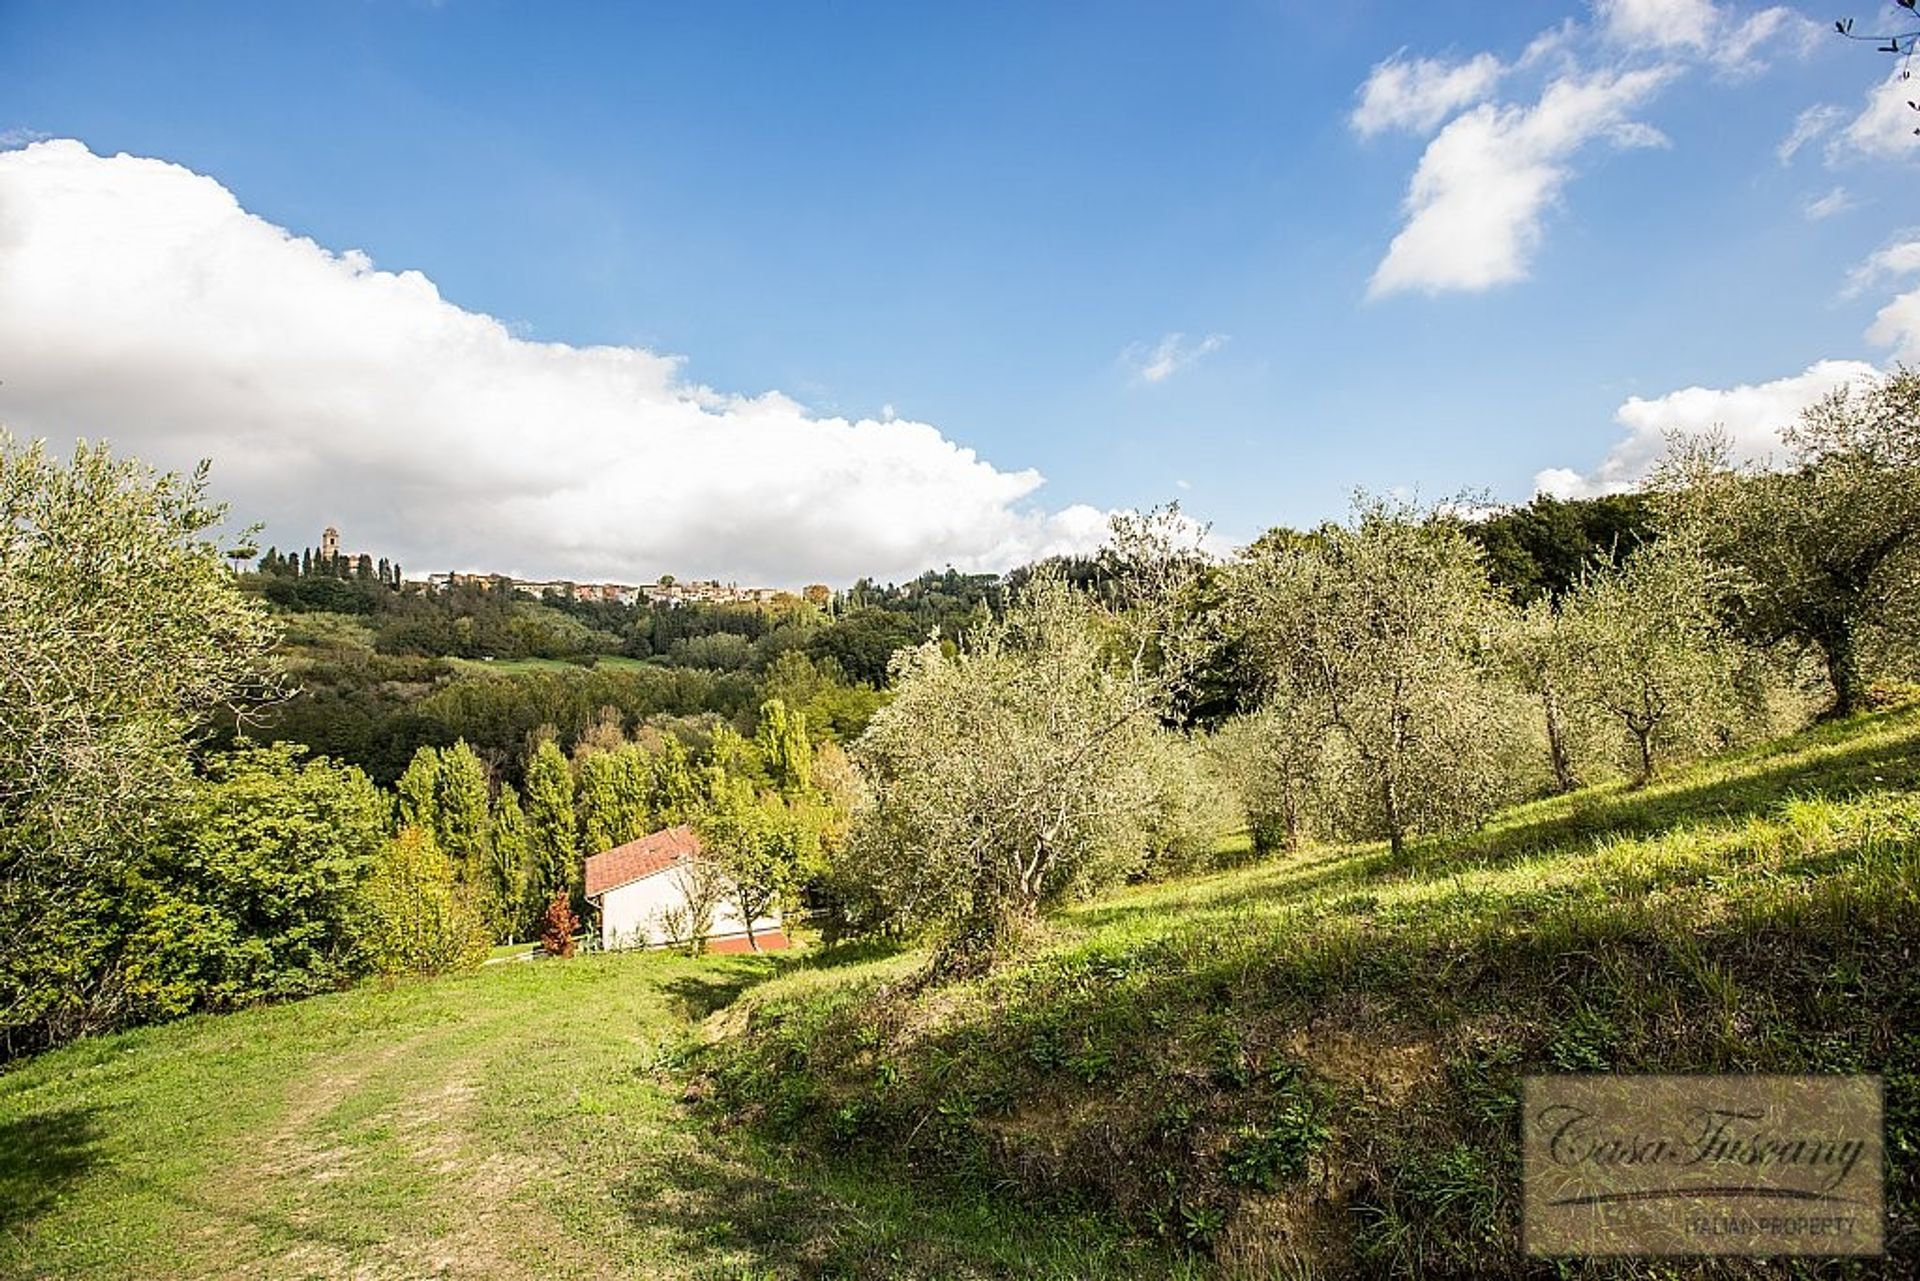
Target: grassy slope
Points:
x,y
1310,1059
521,1121
1314,1061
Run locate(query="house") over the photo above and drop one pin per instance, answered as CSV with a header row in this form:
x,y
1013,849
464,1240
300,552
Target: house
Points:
x,y
648,892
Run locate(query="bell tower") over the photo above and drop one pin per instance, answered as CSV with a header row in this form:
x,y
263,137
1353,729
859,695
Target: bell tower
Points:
x,y
329,543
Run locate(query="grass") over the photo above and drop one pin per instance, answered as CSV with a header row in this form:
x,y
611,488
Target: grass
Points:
x,y
526,1120
517,666
1312,1064
1302,1066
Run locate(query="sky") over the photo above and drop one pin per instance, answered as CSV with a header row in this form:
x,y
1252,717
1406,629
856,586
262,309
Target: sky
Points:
x,y
799,292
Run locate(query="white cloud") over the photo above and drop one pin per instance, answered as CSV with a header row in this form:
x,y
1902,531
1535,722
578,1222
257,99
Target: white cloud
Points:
x,y
1897,325
1818,208
1417,94
1658,24
1476,202
1733,44
1885,127
1169,356
1808,126
144,305
1750,415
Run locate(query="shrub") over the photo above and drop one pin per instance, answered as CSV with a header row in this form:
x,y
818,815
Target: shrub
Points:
x,y
556,933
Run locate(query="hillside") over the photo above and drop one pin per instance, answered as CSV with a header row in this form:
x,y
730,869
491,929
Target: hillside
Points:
x,y
1311,1060
1315,1061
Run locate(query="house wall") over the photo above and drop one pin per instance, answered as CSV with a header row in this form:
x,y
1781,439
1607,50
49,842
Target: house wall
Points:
x,y
630,915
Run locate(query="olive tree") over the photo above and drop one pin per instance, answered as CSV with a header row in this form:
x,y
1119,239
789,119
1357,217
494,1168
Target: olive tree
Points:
x,y
122,637
1372,636
1646,646
1829,550
1011,771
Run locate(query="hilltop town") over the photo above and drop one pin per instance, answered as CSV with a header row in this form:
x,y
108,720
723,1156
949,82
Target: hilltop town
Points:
x,y
666,590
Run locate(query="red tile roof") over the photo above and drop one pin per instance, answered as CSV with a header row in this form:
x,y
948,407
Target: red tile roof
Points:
x,y
625,864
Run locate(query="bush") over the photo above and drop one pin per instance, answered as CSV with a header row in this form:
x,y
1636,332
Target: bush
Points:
x,y
556,934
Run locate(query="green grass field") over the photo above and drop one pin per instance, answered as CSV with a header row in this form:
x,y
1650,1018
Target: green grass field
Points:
x,y
515,666
522,1121
1302,1066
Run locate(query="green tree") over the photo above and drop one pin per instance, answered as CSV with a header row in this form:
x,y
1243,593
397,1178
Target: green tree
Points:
x,y
1011,772
122,637
417,793
254,892
461,819
675,791
784,747
1827,551
614,797
553,847
509,868
1646,646
421,921
764,848
1376,629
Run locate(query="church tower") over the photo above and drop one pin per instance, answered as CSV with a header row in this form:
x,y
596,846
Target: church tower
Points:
x,y
329,543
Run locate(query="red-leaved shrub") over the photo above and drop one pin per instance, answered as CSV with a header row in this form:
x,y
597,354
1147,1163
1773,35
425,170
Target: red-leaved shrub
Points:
x,y
556,931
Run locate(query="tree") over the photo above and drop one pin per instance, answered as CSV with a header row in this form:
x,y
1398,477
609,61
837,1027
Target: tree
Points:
x,y
122,638
615,798
675,792
1273,756
508,868
687,918
461,820
1539,659
1375,630
1646,645
1008,773
416,794
763,848
420,920
553,850
1825,552
254,891
784,747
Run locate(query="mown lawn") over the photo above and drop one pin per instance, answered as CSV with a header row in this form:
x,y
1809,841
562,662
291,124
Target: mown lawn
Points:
x,y
521,1121
1313,1062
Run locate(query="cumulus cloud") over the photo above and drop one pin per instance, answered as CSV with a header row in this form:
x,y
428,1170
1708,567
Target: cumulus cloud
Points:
x,y
1169,356
139,302
1476,202
1897,325
1885,127
1416,94
1475,208
1820,208
1750,416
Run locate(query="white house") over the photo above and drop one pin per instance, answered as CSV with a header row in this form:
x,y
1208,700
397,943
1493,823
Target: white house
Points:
x,y
647,889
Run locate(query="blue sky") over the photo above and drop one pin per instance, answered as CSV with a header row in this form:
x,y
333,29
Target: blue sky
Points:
x,y
990,218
